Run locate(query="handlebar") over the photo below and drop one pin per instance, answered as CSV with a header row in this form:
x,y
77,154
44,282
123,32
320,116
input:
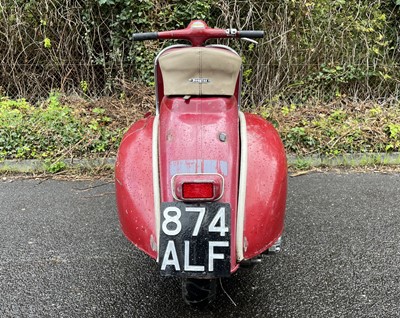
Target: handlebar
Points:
x,y
197,33
144,36
251,34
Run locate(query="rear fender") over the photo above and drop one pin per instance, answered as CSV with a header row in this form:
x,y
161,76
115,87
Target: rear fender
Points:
x,y
134,186
265,189
201,136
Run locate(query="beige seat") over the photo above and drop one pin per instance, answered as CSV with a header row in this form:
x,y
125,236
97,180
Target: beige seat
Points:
x,y
199,71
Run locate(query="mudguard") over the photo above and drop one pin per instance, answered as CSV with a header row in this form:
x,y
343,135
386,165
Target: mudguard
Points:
x,y
201,135
266,187
134,186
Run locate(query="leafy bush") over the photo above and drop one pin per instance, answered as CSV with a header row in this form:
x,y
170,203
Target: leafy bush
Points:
x,y
52,130
314,128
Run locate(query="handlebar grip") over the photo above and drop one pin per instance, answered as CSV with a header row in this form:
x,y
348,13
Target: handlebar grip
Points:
x,y
250,34
145,36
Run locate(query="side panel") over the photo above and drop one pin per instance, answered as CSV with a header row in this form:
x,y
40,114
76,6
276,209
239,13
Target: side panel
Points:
x,y
134,186
201,135
266,187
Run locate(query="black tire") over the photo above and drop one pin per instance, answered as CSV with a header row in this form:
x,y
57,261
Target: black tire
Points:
x,y
199,293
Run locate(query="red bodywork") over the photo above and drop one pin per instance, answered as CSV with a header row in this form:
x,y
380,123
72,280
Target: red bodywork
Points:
x,y
189,143
266,186
201,135
197,36
134,186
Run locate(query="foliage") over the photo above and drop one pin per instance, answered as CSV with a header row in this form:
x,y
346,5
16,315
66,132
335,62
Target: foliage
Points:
x,y
347,47
323,49
312,48
52,130
320,75
54,167
128,16
314,128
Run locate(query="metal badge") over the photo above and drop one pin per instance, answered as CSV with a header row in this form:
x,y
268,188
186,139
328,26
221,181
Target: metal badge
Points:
x,y
199,80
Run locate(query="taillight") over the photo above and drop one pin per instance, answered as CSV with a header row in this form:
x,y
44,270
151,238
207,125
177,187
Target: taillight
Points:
x,y
197,187
192,190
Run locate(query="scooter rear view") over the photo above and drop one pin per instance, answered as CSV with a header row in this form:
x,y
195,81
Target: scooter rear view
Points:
x,y
201,186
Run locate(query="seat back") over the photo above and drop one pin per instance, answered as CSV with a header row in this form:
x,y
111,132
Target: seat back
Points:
x,y
199,71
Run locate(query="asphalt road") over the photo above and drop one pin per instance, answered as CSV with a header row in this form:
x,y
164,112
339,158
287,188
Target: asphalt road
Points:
x,y
62,255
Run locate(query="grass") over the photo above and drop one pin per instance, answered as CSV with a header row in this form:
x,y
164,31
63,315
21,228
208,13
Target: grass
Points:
x,y
40,171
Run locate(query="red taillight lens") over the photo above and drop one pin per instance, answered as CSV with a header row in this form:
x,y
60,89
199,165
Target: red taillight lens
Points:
x,y
197,187
192,190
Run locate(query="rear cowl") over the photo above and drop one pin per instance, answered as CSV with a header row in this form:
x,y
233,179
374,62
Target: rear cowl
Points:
x,y
266,187
134,186
201,136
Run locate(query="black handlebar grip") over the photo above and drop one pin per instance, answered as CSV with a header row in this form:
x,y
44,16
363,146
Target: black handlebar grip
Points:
x,y
145,36
251,34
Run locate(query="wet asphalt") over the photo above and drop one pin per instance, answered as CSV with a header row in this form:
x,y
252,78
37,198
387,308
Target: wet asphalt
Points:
x,y
62,254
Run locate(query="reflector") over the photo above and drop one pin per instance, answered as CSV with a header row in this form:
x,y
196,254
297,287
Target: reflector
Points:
x,y
197,187
194,190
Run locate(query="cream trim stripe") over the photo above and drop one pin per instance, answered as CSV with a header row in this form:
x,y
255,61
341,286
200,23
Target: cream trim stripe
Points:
x,y
156,179
242,188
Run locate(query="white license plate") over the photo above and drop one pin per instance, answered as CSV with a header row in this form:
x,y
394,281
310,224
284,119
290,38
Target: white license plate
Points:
x,y
195,239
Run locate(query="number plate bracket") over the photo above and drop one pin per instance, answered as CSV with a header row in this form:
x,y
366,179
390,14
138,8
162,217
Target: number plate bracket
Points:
x,y
195,239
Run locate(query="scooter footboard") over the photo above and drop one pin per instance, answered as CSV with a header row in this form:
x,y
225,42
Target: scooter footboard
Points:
x,y
266,187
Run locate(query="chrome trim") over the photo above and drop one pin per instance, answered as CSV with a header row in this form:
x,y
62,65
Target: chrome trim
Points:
x,y
277,247
155,71
231,32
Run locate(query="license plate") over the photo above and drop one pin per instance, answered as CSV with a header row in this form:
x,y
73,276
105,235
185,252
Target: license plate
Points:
x,y
195,239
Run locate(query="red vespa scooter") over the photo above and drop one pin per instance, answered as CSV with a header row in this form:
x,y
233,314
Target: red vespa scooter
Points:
x,y
201,187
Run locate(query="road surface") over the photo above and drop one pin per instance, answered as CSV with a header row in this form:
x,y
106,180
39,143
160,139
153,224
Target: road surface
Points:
x,y
62,254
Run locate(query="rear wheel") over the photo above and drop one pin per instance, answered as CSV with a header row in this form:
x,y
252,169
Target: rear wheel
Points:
x,y
199,293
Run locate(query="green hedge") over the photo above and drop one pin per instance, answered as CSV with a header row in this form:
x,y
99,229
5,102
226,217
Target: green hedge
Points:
x,y
324,49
